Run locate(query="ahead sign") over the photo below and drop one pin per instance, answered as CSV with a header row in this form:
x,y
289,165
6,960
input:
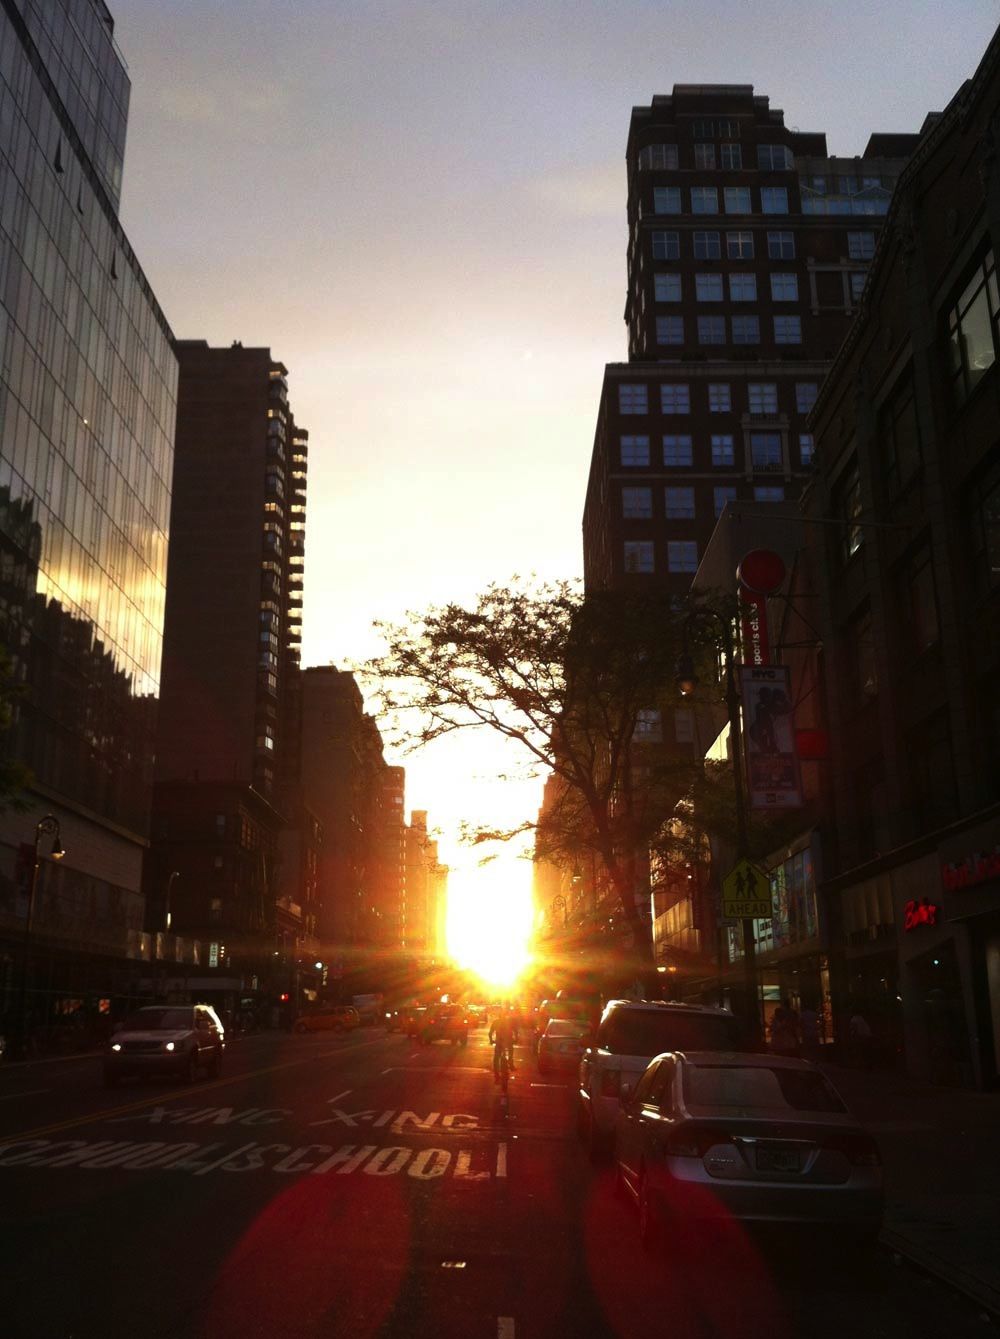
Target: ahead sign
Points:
x,y
746,891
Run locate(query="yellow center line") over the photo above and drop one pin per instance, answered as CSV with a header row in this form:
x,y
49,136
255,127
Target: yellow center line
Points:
x,y
95,1118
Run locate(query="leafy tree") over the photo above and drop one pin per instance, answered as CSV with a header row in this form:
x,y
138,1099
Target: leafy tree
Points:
x,y
576,681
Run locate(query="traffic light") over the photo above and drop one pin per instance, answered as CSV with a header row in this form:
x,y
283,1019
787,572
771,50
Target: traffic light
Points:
x,y
284,997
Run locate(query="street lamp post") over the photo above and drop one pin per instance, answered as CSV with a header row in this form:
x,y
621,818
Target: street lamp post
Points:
x,y
559,904
167,914
687,681
47,826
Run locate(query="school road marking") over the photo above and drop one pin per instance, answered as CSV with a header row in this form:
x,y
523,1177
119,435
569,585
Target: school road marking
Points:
x,y
95,1117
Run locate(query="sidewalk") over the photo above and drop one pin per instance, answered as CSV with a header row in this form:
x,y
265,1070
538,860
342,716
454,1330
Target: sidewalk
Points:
x,y
941,1150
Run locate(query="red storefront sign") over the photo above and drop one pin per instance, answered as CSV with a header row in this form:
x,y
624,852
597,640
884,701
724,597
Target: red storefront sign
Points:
x,y
760,574
977,868
919,913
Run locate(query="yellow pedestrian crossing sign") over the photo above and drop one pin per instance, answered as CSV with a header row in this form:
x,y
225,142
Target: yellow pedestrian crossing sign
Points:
x,y
746,891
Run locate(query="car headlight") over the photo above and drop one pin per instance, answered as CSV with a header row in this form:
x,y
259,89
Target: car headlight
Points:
x,y
116,1045
168,1046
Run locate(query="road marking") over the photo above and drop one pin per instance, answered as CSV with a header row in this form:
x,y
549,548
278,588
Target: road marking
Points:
x,y
32,1092
502,1160
346,1093
386,1071
505,1327
95,1118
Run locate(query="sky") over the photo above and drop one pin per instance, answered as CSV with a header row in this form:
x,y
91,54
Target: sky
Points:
x,y
420,208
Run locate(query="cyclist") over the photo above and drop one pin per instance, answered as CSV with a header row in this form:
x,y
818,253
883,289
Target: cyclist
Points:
x,y
503,1035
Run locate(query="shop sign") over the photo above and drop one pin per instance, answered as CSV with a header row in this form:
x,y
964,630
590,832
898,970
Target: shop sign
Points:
x,y
919,912
977,868
760,574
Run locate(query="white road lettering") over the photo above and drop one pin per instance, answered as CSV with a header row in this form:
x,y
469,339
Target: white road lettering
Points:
x,y
501,1160
459,1121
406,1118
429,1163
463,1168
346,1159
294,1163
388,1161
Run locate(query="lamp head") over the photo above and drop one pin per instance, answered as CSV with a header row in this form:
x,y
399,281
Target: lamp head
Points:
x,y
57,848
685,678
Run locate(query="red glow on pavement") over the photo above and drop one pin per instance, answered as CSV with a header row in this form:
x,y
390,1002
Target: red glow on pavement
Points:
x,y
325,1250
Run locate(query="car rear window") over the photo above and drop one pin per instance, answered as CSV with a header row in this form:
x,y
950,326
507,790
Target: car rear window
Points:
x,y
759,1087
650,1031
564,1027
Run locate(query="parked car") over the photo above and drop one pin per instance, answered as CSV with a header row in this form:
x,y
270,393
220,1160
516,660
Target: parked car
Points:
x,y
415,1020
331,1018
446,1023
758,1138
561,1045
173,1039
629,1035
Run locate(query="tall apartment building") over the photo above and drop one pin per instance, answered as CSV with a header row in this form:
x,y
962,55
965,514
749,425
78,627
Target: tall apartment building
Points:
x,y
227,748
422,886
88,385
747,255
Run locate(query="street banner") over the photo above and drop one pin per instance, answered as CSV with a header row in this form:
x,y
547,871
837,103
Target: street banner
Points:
x,y
772,764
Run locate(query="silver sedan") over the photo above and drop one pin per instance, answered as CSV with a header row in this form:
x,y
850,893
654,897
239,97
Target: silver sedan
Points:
x,y
756,1138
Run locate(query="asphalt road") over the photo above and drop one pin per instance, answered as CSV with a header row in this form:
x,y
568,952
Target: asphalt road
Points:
x,y
363,1186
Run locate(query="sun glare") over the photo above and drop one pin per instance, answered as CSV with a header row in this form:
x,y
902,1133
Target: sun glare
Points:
x,y
490,916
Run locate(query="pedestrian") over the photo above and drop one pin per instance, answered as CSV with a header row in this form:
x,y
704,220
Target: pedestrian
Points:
x,y
785,1030
809,1029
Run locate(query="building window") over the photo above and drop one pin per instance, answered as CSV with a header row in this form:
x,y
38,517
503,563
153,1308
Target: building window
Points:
x,y
986,535
666,199
773,157
680,504
707,246
860,245
670,330
765,450
639,555
739,245
805,396
763,397
667,287
723,493
704,200
972,330
788,330
858,280
769,493
675,398
899,437
682,555
702,129
632,399
774,199
784,287
728,129
746,330
635,450
648,726
637,503
677,449
719,398
743,287
863,666
847,507
722,448
781,245
932,772
732,157
708,287
659,157
683,725
806,448
921,600
666,245
711,330
737,200
704,155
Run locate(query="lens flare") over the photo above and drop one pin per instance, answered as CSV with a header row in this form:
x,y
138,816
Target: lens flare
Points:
x,y
490,917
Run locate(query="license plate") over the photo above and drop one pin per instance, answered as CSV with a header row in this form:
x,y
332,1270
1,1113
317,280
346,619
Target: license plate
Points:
x,y
777,1160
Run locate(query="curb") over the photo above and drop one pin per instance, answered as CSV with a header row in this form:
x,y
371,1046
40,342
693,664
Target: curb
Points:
x,y
973,1287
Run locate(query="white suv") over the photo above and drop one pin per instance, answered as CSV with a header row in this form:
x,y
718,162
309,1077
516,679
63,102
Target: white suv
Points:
x,y
629,1035
176,1039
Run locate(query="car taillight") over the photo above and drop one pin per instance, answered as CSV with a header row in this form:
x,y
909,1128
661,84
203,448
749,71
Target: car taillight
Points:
x,y
611,1082
860,1150
692,1142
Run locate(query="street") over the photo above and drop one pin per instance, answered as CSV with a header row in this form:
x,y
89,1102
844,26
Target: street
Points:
x,y
365,1186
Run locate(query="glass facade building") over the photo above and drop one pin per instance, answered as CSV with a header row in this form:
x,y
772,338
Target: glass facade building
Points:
x,y
88,383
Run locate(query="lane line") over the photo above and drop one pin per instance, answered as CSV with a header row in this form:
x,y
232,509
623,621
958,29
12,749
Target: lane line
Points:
x,y
501,1160
96,1118
32,1092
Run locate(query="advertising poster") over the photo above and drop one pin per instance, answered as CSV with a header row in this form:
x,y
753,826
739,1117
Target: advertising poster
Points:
x,y
772,765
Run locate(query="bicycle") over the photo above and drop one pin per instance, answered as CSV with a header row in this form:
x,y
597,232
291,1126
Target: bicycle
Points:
x,y
503,1071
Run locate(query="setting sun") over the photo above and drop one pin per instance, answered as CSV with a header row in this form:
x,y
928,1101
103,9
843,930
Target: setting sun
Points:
x,y
490,920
